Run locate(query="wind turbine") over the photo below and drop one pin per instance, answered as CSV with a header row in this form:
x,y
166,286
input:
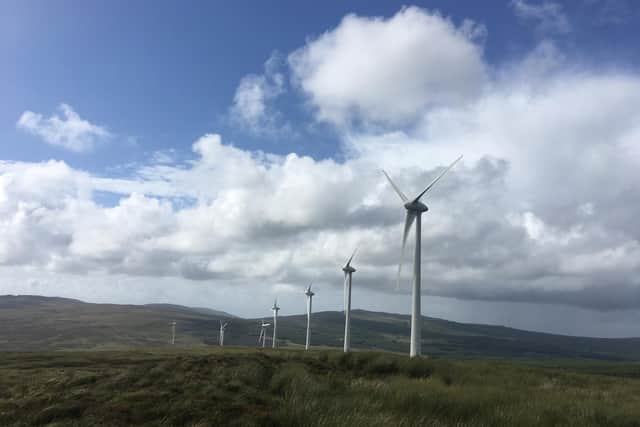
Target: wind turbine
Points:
x,y
309,295
263,333
223,326
173,332
415,208
275,309
348,271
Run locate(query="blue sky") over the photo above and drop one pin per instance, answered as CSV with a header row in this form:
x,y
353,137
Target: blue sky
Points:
x,y
166,73
161,151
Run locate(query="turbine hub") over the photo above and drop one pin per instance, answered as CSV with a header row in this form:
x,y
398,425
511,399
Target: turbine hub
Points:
x,y
349,269
416,206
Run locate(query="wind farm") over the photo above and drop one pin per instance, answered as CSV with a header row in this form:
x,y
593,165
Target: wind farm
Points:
x,y
331,213
480,373
464,360
311,356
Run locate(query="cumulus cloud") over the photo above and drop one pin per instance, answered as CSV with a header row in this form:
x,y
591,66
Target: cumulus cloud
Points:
x,y
389,70
291,219
68,131
548,17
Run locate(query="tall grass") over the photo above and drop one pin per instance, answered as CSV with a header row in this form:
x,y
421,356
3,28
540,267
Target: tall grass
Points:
x,y
294,388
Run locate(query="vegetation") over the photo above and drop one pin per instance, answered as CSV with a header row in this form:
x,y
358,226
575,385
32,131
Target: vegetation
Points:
x,y
200,387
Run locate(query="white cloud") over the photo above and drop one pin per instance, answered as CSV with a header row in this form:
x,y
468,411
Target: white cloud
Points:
x,y
68,131
252,103
548,16
389,70
499,227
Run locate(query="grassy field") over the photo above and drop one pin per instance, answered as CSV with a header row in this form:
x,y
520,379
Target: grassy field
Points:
x,y
204,387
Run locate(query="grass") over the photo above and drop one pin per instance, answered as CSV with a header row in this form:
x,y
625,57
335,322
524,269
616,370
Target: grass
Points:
x,y
243,387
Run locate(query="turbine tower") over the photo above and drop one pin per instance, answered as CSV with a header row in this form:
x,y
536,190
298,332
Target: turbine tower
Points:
x,y
348,271
173,332
223,326
263,333
415,208
309,295
275,309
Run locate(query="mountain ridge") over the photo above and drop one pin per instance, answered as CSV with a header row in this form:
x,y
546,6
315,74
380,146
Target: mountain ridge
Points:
x,y
33,322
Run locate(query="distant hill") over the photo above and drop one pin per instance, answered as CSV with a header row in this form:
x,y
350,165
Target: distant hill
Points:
x,y
33,323
201,310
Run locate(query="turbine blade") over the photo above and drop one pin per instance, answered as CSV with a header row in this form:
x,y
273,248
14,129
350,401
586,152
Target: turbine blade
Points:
x,y
437,179
395,187
408,222
352,255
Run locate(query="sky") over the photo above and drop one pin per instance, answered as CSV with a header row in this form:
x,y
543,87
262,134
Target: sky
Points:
x,y
221,154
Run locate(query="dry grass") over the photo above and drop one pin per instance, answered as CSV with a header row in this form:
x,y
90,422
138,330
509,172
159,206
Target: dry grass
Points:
x,y
294,388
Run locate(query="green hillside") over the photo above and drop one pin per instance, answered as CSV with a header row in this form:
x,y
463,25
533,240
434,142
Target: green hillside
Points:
x,y
34,323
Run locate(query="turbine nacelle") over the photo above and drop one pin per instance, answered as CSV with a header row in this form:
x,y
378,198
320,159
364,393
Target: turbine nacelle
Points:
x,y
309,292
416,206
347,267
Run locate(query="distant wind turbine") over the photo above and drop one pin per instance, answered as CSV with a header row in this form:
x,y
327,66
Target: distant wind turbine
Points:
x,y
309,295
415,208
275,309
223,326
173,332
348,271
263,333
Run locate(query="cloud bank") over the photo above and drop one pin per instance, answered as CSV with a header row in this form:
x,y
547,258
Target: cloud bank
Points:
x,y
542,209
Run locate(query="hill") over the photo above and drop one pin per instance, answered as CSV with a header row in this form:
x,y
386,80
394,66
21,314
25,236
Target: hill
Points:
x,y
34,323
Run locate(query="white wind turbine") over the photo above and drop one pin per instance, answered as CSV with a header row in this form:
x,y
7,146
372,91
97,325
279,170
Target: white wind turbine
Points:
x,y
415,208
173,332
348,271
263,333
275,309
223,326
309,295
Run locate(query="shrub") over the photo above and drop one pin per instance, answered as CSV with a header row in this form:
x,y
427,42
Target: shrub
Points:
x,y
417,368
381,366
